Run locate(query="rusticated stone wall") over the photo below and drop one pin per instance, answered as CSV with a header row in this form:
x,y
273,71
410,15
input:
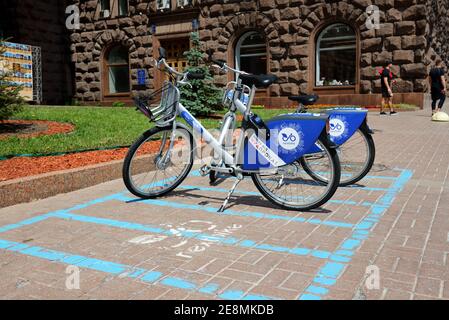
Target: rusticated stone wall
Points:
x,y
437,33
290,27
412,34
96,35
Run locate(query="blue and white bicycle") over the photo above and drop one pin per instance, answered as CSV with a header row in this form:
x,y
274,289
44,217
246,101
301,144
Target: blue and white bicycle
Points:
x,y
266,151
349,130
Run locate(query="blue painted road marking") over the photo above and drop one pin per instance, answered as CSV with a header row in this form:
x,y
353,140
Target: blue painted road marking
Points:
x,y
326,277
245,243
333,270
118,269
230,212
251,193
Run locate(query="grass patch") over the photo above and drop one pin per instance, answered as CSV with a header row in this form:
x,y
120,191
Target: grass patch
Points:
x,y
95,127
405,106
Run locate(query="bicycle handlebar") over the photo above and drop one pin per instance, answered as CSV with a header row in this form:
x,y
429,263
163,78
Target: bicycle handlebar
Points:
x,y
164,63
183,77
219,63
223,66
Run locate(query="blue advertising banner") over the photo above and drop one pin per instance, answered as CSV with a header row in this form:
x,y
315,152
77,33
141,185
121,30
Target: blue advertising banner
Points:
x,y
17,62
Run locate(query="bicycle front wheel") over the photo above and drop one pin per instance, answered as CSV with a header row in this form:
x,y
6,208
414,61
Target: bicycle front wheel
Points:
x,y
291,187
356,159
158,162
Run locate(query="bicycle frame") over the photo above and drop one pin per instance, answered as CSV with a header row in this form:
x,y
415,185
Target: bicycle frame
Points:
x,y
275,144
268,153
217,145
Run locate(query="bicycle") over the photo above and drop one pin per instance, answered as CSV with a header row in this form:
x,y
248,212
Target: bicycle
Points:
x,y
258,153
350,131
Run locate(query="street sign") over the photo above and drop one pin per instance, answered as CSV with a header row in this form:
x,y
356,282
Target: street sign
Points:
x,y
141,77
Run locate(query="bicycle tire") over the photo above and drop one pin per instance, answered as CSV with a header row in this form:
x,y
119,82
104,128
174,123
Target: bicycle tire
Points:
x,y
366,168
127,166
332,186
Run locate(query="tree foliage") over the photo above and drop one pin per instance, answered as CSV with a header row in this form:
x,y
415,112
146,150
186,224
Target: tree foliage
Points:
x,y
203,98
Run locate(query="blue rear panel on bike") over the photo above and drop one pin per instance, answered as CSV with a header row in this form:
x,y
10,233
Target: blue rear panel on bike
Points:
x,y
291,135
343,123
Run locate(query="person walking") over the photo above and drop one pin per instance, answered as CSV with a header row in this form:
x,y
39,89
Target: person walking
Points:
x,y
386,77
437,86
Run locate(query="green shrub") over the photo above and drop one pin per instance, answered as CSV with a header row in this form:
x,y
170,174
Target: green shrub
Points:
x,y
118,104
203,98
73,102
10,100
406,106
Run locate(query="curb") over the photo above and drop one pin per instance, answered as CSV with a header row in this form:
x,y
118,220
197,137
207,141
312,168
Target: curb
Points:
x,y
46,185
28,189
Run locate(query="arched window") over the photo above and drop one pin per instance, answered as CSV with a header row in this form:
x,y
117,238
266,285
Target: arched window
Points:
x,y
251,53
117,70
336,56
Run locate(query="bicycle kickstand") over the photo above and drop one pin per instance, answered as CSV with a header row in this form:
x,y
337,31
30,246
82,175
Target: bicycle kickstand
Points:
x,y
225,203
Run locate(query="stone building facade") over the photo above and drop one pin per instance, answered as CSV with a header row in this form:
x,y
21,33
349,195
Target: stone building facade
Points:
x,y
437,34
326,47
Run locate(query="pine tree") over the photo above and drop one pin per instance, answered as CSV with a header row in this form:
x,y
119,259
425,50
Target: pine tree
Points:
x,y
203,98
10,100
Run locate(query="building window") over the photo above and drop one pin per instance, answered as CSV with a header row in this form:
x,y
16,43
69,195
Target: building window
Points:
x,y
113,8
336,56
163,5
175,49
105,8
122,7
251,53
183,3
167,5
117,70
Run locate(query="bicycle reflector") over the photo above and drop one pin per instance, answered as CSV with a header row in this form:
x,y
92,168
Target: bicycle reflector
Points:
x,y
328,125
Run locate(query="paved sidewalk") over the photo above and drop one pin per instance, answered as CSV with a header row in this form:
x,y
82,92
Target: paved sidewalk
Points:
x,y
395,224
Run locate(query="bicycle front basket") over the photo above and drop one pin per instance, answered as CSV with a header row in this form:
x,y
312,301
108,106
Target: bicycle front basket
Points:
x,y
161,105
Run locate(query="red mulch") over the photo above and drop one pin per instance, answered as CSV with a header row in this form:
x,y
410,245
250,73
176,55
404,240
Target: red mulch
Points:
x,y
33,128
23,166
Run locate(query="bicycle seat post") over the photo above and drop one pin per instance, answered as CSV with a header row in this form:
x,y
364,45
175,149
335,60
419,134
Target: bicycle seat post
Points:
x,y
251,99
301,108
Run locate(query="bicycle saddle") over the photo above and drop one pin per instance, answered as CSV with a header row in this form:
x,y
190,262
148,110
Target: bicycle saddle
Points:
x,y
307,99
260,81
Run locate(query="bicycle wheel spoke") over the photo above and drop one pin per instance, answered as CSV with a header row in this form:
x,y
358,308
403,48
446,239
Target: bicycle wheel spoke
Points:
x,y
154,168
298,189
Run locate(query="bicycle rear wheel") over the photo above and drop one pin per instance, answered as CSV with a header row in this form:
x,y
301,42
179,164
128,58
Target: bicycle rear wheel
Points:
x,y
356,159
290,187
151,169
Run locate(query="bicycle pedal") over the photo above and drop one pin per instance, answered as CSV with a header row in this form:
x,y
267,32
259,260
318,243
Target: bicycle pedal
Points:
x,y
204,171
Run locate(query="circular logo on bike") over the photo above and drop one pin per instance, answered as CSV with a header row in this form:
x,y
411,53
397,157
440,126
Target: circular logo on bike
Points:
x,y
288,138
337,127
